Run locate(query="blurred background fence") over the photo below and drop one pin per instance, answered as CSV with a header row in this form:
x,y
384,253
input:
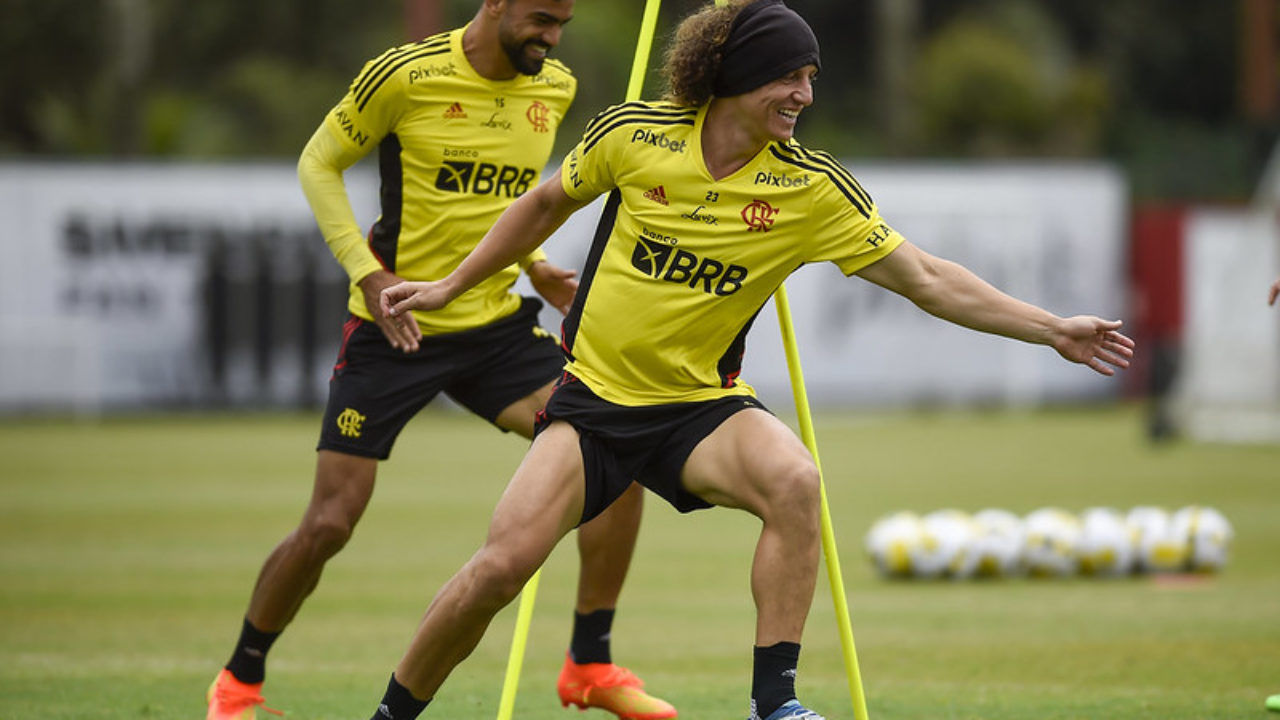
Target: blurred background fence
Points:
x,y
176,286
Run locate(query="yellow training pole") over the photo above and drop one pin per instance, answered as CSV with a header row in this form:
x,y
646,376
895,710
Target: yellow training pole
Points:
x,y
524,615
640,63
524,612
828,533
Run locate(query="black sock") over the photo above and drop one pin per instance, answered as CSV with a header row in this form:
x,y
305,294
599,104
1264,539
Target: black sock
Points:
x,y
773,679
398,703
249,661
590,643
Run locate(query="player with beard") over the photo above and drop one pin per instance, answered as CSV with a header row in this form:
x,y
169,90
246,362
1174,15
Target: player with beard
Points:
x,y
463,123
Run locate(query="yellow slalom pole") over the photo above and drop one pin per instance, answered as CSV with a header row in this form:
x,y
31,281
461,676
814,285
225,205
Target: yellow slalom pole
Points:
x,y
524,612
640,63
524,616
828,533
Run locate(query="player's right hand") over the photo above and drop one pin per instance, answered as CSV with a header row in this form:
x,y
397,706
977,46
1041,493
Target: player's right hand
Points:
x,y
401,331
1094,342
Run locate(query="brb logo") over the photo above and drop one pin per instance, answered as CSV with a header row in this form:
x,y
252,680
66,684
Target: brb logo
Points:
x,y
759,215
538,116
481,178
657,257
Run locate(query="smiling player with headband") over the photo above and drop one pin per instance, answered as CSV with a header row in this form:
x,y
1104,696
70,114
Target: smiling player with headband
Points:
x,y
711,205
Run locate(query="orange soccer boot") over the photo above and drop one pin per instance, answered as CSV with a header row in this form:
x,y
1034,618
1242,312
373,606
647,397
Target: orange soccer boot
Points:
x,y
609,687
230,699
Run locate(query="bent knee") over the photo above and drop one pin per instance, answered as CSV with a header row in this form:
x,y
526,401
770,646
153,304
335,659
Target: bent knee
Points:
x,y
325,535
499,576
795,492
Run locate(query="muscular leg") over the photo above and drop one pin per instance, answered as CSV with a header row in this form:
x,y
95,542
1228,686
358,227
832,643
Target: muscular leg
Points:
x,y
605,547
342,488
606,544
540,506
754,462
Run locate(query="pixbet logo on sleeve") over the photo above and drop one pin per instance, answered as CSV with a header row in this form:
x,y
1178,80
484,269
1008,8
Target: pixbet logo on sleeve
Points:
x,y
658,140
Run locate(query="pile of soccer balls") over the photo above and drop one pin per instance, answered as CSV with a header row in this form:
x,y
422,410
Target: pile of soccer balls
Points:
x,y
1099,542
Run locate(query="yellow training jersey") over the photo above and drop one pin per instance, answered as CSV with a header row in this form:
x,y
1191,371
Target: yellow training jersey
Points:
x,y
682,263
454,150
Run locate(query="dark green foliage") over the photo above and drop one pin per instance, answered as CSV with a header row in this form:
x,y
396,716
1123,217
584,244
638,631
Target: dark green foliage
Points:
x,y
1135,81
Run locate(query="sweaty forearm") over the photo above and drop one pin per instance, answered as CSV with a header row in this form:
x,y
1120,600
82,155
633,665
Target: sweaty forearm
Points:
x,y
955,294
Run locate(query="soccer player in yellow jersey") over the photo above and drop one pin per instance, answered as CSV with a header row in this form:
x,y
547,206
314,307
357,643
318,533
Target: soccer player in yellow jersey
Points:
x,y
711,205
463,123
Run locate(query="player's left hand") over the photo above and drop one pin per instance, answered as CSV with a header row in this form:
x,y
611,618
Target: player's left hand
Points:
x,y
1094,342
402,332
1274,293
556,285
396,301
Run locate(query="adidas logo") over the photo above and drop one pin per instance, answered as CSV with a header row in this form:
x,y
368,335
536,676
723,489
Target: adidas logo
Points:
x,y
455,111
658,195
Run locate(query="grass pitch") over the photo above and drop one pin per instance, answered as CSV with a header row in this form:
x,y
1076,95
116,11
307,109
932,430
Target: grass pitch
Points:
x,y
128,548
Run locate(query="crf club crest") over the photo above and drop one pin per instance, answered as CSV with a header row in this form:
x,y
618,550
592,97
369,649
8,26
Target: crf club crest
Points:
x,y
759,215
538,116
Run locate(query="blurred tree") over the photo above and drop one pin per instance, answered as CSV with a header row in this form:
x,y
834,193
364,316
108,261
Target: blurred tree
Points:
x,y
1173,74
1001,80
1187,133
51,76
1151,84
162,77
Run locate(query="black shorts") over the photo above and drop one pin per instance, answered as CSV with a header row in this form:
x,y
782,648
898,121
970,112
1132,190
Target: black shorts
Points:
x,y
376,389
646,444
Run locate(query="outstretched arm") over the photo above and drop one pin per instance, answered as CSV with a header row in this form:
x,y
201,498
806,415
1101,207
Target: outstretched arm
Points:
x,y
950,291
525,225
1275,292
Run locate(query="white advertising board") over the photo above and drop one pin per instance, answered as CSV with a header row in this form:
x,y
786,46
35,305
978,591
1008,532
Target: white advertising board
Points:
x,y
1228,388
101,283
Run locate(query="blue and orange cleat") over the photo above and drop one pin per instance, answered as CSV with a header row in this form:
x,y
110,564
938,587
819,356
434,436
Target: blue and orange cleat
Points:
x,y
230,699
609,687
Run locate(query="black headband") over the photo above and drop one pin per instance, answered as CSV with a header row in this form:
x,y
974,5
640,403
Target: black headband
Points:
x,y
766,41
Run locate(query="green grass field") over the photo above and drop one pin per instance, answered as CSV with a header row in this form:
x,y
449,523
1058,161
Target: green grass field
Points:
x,y
128,548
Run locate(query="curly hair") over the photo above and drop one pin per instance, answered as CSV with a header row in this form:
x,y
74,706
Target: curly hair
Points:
x,y
693,55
